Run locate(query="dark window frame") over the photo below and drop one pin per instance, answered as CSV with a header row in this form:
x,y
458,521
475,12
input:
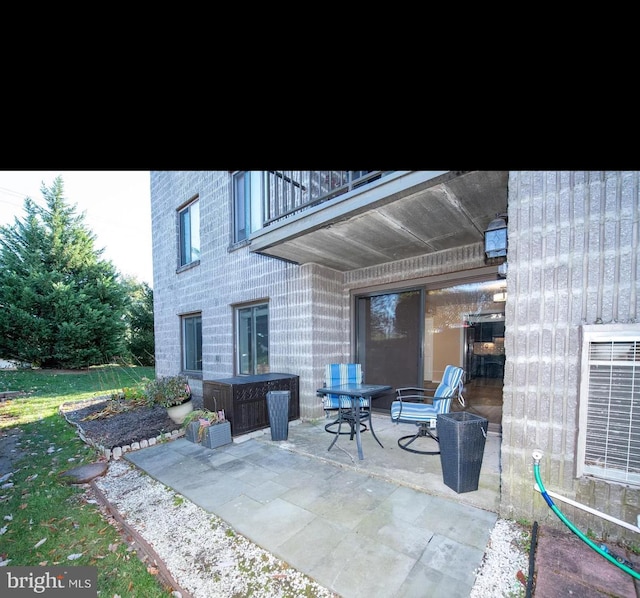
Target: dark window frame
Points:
x,y
252,351
189,233
191,336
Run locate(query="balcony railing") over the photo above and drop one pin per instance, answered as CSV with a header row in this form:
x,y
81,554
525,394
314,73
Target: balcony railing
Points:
x,y
290,191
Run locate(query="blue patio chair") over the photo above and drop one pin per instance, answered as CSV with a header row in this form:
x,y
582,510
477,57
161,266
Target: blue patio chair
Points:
x,y
335,375
421,406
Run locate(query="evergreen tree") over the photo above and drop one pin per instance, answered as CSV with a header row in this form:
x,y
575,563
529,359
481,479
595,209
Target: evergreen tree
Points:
x,y
139,320
61,305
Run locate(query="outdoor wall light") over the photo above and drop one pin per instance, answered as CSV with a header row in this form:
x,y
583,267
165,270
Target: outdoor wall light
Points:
x,y
495,237
500,297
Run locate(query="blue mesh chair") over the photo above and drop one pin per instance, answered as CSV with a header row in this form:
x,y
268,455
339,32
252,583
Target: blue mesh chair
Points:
x,y
421,406
337,374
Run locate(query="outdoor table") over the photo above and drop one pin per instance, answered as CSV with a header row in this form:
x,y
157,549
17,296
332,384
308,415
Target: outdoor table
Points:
x,y
356,392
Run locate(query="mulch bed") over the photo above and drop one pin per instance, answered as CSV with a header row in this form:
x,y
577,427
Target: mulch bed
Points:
x,y
122,428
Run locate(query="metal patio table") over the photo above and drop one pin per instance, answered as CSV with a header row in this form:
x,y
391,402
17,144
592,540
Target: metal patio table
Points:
x,y
356,392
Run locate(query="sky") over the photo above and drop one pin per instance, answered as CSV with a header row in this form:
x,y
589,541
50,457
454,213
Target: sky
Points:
x,y
117,207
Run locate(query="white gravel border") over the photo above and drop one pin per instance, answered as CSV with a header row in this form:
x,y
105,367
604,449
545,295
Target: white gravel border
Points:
x,y
506,556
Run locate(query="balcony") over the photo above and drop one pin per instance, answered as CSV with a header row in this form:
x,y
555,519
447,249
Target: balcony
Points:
x,y
347,220
288,192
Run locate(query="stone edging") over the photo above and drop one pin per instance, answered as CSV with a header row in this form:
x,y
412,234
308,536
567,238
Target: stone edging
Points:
x,y
117,452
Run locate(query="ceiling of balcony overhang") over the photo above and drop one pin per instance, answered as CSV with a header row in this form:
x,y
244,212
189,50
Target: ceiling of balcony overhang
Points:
x,y
407,215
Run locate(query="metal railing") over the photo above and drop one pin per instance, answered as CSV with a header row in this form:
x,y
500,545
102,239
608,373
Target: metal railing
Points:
x,y
288,192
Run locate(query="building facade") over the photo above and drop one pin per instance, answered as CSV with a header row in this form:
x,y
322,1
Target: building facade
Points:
x,y
287,271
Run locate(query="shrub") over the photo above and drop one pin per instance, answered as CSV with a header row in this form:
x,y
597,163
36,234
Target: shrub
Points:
x,y
168,391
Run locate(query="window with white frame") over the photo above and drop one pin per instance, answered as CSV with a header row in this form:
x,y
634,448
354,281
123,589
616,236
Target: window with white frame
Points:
x,y
189,217
252,339
609,434
247,203
192,343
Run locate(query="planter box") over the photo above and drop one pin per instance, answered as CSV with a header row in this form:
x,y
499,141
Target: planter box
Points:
x,y
211,436
216,435
191,431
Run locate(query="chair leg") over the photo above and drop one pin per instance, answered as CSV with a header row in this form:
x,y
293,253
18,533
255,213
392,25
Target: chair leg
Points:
x,y
423,430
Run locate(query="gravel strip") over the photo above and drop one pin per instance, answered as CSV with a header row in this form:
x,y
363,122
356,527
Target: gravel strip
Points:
x,y
210,560
505,560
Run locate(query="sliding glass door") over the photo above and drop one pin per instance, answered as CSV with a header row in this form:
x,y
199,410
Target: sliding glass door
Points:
x,y
389,340
407,337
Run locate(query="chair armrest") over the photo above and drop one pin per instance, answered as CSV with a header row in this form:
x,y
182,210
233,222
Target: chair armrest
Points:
x,y
415,394
415,389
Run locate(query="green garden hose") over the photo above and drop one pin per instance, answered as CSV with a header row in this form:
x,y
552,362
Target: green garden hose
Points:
x,y
602,550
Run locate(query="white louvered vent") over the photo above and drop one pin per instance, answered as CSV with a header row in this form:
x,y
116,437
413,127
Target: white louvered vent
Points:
x,y
612,439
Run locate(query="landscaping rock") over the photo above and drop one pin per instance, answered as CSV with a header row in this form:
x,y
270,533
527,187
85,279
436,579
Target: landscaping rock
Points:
x,y
85,473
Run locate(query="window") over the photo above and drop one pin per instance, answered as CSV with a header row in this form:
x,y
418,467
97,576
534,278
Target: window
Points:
x,y
252,342
192,343
609,437
247,204
190,233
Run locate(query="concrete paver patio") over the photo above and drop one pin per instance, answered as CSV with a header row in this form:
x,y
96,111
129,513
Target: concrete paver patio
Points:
x,y
386,525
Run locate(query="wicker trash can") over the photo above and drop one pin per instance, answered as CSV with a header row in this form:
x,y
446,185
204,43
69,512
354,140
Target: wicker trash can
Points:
x,y
462,438
278,407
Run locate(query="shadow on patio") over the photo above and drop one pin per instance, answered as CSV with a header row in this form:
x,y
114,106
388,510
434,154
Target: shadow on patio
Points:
x,y
391,463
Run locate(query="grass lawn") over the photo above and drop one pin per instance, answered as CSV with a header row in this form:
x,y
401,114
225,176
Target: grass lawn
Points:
x,y
43,520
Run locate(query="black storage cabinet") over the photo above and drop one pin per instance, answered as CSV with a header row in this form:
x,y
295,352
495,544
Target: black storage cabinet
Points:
x,y
244,399
462,437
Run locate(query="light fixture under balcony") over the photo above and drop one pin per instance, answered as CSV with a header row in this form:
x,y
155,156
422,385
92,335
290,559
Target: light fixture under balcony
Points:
x,y
500,297
495,237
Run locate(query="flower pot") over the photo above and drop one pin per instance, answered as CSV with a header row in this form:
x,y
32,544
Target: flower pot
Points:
x,y
216,435
177,413
278,407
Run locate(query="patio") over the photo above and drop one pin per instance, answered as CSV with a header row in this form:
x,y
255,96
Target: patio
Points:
x,y
386,525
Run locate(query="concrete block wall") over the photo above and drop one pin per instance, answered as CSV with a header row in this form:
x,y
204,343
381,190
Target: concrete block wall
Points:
x,y
308,308
417,269
573,260
329,326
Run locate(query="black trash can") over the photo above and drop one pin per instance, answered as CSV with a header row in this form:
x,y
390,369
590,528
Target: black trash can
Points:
x,y
462,438
278,407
